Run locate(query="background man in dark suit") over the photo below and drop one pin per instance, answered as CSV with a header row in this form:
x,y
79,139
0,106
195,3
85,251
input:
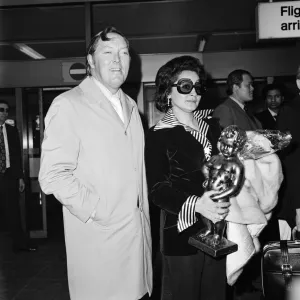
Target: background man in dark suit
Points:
x,y
11,180
289,119
233,111
273,95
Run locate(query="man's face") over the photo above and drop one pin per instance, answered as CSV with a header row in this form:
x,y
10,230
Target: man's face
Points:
x,y
3,113
244,92
274,99
110,62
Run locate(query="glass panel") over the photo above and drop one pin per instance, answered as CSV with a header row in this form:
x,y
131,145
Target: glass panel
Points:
x,y
33,194
152,113
8,95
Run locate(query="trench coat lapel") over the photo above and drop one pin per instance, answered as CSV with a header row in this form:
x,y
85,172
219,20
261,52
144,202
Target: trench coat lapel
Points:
x,y
94,96
127,109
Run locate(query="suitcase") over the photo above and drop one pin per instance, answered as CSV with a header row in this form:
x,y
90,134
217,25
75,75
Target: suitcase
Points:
x,y
280,267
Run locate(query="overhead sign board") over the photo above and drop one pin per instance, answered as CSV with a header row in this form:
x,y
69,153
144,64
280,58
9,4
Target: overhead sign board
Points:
x,y
42,2
277,20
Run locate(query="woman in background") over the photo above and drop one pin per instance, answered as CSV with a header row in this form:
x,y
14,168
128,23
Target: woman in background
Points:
x,y
176,148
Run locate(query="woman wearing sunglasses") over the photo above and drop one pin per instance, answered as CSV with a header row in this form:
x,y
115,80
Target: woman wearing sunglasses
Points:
x,y
176,148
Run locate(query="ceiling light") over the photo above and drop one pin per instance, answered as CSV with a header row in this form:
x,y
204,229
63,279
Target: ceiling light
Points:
x,y
28,51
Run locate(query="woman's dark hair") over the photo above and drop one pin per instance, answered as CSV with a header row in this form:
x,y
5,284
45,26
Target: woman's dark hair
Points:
x,y
168,74
102,35
235,77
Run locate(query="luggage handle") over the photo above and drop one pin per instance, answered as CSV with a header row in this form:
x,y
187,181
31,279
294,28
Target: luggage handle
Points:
x,y
286,268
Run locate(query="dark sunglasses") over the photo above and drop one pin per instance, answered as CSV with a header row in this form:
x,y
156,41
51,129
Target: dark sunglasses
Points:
x,y
4,109
185,86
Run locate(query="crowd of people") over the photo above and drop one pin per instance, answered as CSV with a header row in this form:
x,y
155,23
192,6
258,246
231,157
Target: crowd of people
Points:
x,y
105,170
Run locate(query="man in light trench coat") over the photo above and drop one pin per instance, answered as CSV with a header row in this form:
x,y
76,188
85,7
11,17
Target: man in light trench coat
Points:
x,y
93,163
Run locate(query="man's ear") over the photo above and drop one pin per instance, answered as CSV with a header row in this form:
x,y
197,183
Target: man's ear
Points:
x,y
91,61
235,87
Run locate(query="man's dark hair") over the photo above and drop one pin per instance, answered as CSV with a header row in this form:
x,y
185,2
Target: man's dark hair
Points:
x,y
235,77
4,102
272,87
102,35
168,74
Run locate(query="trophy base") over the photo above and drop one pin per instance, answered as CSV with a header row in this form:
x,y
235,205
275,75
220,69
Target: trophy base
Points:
x,y
225,246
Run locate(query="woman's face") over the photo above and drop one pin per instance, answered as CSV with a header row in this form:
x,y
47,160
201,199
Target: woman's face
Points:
x,y
185,102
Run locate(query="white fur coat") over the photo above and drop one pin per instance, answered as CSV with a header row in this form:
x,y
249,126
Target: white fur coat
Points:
x,y
251,209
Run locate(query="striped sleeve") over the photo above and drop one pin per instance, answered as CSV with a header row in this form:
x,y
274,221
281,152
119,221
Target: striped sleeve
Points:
x,y
187,216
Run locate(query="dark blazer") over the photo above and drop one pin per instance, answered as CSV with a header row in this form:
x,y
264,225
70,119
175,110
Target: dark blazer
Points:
x,y
230,113
173,166
289,119
266,119
15,154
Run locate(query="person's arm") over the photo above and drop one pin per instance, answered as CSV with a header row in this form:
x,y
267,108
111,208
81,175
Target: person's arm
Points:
x,y
60,150
224,115
167,196
162,190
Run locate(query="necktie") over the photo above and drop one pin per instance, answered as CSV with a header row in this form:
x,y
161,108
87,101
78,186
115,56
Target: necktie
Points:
x,y
2,152
116,103
275,117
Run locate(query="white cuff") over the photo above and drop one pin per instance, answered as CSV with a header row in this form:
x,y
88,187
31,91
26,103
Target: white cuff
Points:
x,y
187,216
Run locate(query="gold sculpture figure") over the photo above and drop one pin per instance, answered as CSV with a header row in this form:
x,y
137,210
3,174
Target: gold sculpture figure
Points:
x,y
224,174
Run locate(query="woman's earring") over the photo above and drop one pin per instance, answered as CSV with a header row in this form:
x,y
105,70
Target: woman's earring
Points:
x,y
169,101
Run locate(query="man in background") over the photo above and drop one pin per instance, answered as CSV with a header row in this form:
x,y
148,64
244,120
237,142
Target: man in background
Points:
x,y
289,120
234,110
11,181
273,96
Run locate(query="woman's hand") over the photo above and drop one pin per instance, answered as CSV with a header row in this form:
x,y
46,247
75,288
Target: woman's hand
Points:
x,y
214,211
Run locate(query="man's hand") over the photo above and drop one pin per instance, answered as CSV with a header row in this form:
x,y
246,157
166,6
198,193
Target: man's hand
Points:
x,y
21,185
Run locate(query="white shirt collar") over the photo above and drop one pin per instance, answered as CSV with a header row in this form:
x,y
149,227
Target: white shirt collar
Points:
x,y
272,112
107,93
237,102
114,99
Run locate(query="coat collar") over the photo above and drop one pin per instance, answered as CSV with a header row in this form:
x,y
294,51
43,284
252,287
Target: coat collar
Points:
x,y
170,121
94,96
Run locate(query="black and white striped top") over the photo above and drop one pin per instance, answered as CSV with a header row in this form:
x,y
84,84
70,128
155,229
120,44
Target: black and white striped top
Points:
x,y
187,216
